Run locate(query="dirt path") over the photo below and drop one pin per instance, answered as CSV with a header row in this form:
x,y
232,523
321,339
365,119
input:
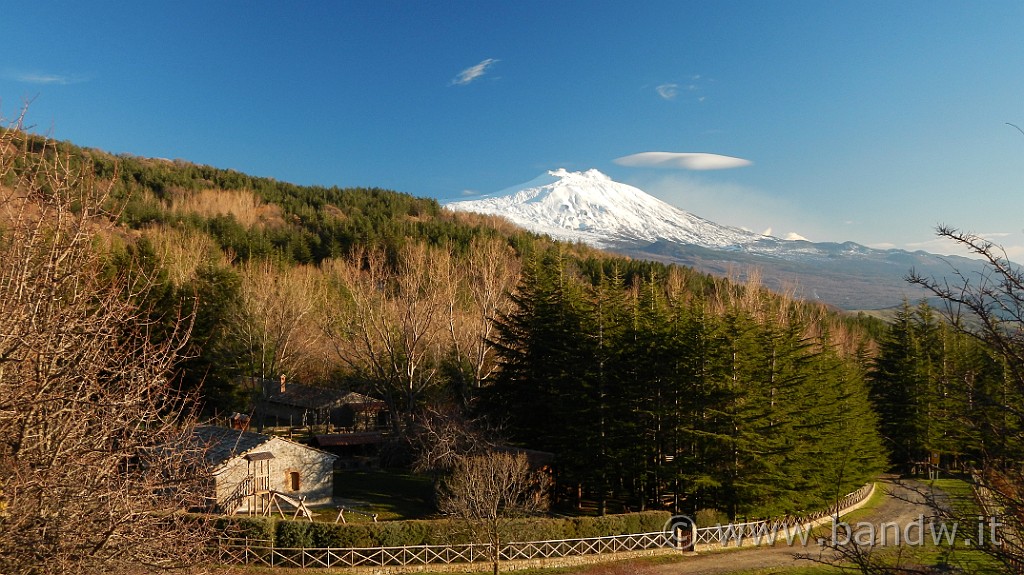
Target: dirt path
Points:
x,y
901,505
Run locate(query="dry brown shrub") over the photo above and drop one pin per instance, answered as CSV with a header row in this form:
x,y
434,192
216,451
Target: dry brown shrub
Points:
x,y
335,212
244,205
182,252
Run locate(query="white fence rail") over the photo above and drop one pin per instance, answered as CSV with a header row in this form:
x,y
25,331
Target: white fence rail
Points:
x,y
770,530
587,546
261,552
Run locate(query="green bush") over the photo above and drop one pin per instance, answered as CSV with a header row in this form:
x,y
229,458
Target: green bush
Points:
x,y
707,517
540,529
261,528
652,521
294,534
342,536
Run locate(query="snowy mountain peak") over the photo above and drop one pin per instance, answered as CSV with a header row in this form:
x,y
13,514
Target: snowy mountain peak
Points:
x,y
591,174
591,207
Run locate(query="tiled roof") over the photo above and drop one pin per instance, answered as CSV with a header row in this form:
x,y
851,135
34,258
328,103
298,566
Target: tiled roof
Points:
x,y
222,443
300,395
354,398
311,397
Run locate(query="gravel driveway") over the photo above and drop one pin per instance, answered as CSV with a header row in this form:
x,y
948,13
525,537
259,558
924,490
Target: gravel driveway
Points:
x,y
901,505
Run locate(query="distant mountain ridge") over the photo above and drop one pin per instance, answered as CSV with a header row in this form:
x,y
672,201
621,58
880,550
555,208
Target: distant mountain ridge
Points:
x,y
592,208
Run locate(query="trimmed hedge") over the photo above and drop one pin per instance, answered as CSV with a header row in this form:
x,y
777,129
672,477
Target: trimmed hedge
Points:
x,y
262,528
290,534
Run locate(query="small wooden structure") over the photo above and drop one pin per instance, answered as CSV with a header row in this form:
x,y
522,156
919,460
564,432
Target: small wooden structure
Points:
x,y
340,518
351,447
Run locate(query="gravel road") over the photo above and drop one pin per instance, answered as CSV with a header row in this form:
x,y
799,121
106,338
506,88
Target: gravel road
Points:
x,y
902,505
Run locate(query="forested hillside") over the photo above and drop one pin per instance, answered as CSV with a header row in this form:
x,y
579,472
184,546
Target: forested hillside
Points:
x,y
652,385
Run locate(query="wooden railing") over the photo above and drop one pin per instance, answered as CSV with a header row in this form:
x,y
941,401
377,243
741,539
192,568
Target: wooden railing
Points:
x,y
234,501
1007,543
262,552
586,546
768,531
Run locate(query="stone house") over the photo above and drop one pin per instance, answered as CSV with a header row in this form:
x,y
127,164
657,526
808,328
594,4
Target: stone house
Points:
x,y
280,402
249,469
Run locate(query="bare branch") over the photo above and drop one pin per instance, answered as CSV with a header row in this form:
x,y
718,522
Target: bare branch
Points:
x,y
96,462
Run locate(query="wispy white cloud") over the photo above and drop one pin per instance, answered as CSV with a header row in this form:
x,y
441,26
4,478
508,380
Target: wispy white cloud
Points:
x,y
43,78
682,161
668,91
689,89
473,72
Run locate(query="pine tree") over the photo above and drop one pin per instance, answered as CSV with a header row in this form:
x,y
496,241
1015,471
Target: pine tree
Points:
x,y
539,393
896,390
605,397
844,446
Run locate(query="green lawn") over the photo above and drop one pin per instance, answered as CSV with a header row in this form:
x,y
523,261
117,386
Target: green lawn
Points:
x,y
390,494
960,493
959,555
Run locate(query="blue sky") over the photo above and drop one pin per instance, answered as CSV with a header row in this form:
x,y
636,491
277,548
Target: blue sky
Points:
x,y
862,121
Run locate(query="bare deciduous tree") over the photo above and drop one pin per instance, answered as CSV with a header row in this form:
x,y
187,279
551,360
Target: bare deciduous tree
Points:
x,y
445,435
392,334
990,307
278,321
492,272
96,458
487,492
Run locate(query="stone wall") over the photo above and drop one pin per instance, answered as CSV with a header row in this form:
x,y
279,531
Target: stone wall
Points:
x,y
315,471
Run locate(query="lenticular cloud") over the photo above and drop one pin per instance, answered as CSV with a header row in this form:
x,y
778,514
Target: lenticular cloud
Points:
x,y
682,161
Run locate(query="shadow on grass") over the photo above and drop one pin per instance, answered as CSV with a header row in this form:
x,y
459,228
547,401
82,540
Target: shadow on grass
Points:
x,y
389,494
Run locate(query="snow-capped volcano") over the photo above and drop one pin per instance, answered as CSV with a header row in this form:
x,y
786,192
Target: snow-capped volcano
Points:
x,y
592,208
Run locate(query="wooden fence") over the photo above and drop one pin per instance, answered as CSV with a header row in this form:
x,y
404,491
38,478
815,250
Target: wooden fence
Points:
x,y
1007,543
261,552
767,531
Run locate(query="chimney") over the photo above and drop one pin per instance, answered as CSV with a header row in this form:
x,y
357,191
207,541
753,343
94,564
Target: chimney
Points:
x,y
283,387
